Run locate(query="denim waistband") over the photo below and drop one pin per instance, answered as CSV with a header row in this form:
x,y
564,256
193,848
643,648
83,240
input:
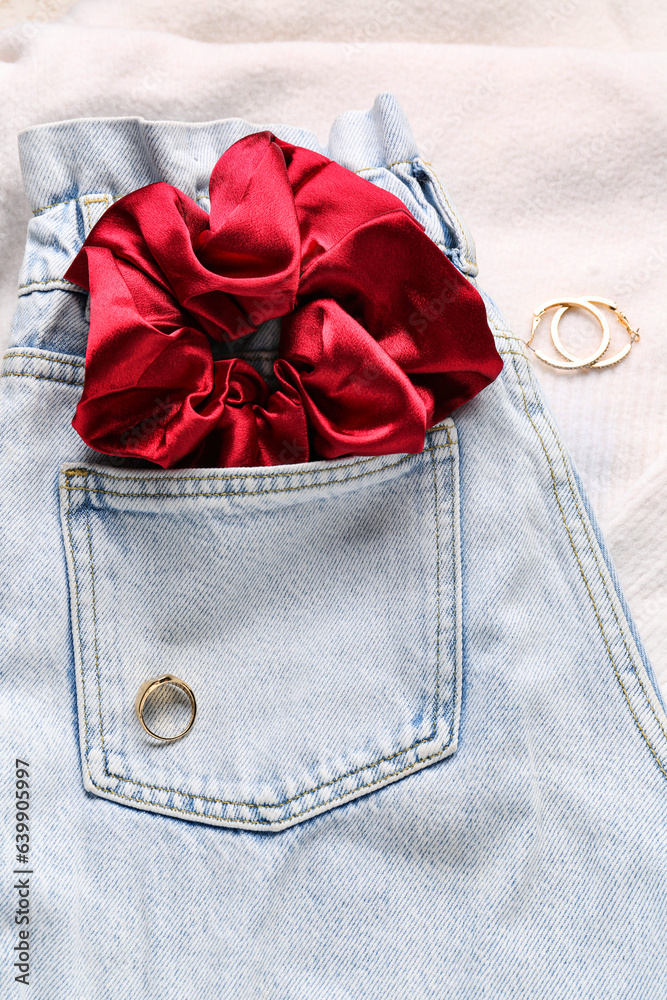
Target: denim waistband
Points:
x,y
74,170
65,160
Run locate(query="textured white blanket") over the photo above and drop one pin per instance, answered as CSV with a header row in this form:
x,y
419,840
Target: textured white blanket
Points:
x,y
546,120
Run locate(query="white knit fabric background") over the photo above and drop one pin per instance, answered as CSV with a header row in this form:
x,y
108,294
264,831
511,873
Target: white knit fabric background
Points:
x,y
546,120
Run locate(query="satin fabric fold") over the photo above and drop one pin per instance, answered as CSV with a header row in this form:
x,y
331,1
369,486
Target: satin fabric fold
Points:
x,y
381,336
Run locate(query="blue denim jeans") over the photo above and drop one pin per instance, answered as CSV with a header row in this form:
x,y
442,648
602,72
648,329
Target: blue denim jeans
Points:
x,y
430,756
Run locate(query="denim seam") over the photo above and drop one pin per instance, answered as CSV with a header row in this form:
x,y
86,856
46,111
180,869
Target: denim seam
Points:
x,y
434,175
45,378
522,355
43,357
185,479
585,579
246,493
94,609
322,806
515,354
383,166
604,584
50,281
436,703
79,634
600,574
462,230
88,201
312,791
253,475
55,204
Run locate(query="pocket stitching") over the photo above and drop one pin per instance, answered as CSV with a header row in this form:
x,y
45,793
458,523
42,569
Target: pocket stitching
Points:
x,y
254,805
45,378
85,473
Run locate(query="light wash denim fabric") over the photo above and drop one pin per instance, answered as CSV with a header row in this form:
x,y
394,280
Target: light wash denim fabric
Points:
x,y
430,757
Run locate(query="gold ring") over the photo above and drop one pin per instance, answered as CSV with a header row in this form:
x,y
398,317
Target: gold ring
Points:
x,y
144,693
572,362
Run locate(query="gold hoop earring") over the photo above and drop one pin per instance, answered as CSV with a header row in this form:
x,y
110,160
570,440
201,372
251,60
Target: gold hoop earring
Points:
x,y
595,360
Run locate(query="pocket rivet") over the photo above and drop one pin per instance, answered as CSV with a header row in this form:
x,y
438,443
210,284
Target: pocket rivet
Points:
x,y
150,687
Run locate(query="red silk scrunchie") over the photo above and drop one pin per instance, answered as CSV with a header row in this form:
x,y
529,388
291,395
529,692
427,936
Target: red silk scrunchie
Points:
x,y
381,336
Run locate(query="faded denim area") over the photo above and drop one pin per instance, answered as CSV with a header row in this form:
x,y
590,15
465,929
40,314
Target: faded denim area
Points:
x,y
487,807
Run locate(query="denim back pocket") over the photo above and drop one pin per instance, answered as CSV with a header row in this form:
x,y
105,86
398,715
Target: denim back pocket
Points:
x,y
314,610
